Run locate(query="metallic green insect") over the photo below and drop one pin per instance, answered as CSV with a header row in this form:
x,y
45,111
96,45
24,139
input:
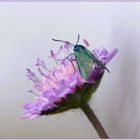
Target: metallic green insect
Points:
x,y
85,60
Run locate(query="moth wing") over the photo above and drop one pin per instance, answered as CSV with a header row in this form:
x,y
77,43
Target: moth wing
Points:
x,y
98,62
87,52
85,64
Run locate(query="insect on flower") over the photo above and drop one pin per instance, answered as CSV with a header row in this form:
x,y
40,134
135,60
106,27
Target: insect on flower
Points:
x,y
86,60
71,83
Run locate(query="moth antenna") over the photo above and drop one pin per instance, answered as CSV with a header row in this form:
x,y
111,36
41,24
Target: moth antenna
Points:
x,y
63,41
78,39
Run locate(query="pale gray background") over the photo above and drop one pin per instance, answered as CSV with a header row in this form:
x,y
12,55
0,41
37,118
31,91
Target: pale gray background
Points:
x,y
26,30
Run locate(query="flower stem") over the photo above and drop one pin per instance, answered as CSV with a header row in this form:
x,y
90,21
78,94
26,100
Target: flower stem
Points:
x,y
94,120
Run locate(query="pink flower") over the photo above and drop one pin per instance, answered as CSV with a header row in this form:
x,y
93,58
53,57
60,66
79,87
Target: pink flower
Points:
x,y
57,89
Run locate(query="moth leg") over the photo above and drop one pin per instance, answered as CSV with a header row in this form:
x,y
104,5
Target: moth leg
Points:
x,y
71,54
70,60
67,57
73,66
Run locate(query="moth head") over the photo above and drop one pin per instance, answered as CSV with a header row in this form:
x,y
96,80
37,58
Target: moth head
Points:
x,y
78,48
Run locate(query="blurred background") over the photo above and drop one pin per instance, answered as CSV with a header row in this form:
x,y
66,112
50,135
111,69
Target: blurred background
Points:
x,y
26,30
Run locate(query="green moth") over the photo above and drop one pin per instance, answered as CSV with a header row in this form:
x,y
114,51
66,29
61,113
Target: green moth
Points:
x,y
85,60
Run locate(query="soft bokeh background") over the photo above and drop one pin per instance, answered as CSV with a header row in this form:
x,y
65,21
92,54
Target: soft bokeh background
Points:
x,y
26,30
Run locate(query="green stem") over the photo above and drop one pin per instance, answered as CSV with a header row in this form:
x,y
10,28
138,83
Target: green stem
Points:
x,y
94,120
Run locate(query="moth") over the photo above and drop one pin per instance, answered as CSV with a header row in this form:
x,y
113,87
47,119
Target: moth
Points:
x,y
85,59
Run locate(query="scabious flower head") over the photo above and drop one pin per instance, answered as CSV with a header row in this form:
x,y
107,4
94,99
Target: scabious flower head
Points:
x,y
63,88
